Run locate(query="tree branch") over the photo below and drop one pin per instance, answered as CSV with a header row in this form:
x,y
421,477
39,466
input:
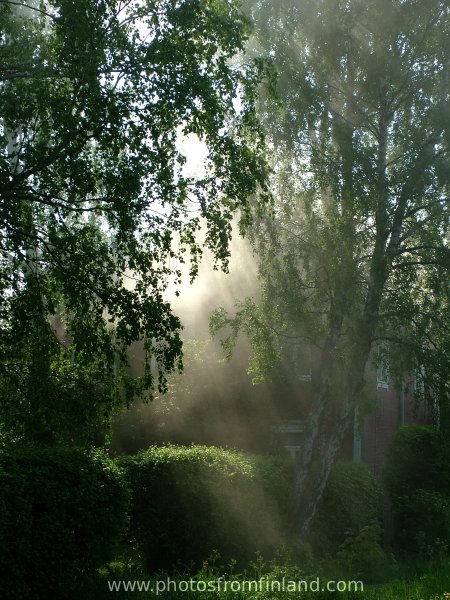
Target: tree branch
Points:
x,y
25,5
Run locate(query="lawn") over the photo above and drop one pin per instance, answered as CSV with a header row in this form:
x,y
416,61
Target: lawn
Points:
x,y
430,582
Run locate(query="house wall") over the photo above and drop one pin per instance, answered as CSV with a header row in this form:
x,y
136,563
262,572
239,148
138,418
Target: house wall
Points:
x,y
394,408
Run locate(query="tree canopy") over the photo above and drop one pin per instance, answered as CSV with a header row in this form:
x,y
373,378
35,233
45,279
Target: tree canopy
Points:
x,y
356,255
94,198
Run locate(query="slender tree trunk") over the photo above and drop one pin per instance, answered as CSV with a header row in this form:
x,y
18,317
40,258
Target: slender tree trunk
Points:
x,y
315,483
326,459
310,483
315,420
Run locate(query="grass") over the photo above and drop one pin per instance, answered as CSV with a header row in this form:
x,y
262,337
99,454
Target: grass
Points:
x,y
430,583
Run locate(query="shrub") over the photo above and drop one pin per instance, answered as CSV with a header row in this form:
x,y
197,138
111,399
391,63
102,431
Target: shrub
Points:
x,y
419,486
411,460
351,501
190,501
423,523
362,555
61,513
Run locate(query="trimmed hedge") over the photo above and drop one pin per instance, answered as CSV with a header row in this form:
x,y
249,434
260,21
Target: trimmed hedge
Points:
x,y
190,501
418,480
62,511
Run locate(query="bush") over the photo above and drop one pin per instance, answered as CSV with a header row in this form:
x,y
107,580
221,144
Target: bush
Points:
x,y
61,513
423,523
190,501
419,486
362,556
351,501
411,460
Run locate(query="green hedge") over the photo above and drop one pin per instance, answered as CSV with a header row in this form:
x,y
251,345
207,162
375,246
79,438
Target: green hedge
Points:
x,y
418,480
352,500
62,511
411,461
190,501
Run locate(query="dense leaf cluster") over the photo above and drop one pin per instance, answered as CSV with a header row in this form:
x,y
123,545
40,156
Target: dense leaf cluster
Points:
x,y
95,202
191,501
355,495
62,513
355,256
358,241
419,485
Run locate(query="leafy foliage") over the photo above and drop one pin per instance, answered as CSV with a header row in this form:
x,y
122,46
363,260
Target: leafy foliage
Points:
x,y
362,555
419,486
354,252
190,501
95,200
412,459
62,512
352,501
317,246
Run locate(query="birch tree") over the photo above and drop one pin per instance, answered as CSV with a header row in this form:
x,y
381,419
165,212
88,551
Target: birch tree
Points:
x,y
356,253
